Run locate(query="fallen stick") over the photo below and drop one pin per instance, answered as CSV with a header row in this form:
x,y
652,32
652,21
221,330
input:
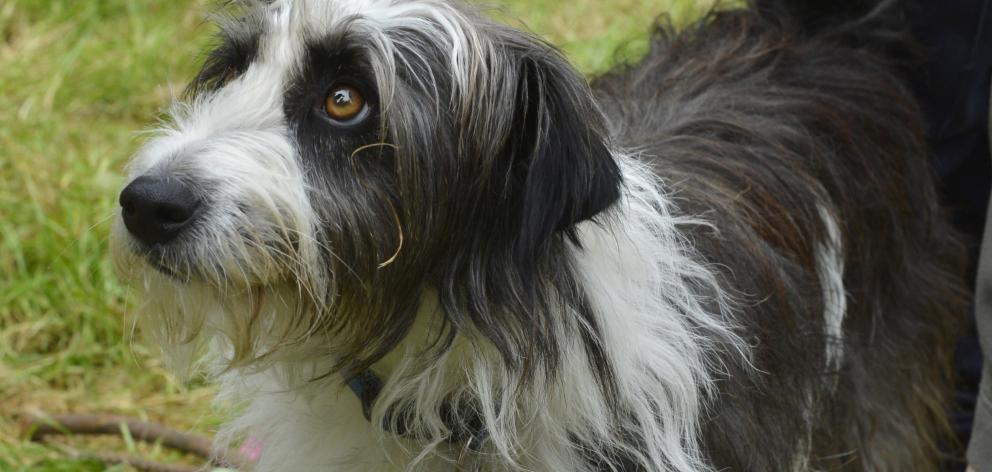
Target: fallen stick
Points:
x,y
37,426
114,459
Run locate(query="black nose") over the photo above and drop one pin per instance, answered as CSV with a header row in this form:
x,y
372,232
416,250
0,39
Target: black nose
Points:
x,y
156,209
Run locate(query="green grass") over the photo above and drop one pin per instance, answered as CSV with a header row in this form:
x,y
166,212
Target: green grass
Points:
x,y
78,80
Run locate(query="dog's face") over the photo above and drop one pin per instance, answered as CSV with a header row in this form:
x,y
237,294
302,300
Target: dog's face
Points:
x,y
335,158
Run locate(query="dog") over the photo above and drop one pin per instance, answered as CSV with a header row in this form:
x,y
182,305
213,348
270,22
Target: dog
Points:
x,y
408,237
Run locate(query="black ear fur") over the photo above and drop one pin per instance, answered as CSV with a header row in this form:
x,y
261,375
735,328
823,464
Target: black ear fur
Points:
x,y
564,170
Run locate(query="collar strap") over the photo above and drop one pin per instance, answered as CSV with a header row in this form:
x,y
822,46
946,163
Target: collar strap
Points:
x,y
366,386
470,431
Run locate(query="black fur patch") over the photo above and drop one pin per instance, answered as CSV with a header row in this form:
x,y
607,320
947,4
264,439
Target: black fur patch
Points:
x,y
238,42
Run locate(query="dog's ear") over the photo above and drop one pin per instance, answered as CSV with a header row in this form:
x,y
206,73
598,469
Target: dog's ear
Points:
x,y
564,171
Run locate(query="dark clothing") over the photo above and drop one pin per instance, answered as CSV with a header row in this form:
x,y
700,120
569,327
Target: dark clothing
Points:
x,y
953,89
980,446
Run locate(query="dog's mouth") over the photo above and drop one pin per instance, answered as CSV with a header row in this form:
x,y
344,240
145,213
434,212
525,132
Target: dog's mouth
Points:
x,y
239,259
186,264
158,258
166,270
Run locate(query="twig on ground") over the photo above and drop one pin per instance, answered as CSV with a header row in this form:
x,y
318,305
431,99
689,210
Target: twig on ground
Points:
x,y
114,459
38,425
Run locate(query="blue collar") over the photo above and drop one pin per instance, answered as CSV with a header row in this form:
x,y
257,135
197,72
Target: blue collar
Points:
x,y
367,386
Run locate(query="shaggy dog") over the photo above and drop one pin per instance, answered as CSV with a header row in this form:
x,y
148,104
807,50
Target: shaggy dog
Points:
x,y
411,238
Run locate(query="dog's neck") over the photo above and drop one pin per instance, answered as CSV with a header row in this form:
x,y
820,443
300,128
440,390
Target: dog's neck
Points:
x,y
424,329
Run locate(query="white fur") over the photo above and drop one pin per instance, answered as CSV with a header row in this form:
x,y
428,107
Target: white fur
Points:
x,y
830,269
644,281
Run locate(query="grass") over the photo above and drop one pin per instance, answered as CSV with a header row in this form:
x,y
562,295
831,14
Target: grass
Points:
x,y
78,80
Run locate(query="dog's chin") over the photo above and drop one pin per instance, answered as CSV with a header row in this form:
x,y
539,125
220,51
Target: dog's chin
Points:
x,y
170,272
135,261
224,277
173,264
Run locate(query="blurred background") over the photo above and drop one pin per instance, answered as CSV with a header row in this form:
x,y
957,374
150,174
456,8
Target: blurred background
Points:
x,y
79,80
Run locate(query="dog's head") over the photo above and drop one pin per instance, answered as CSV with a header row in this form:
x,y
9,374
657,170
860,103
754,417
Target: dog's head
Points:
x,y
334,159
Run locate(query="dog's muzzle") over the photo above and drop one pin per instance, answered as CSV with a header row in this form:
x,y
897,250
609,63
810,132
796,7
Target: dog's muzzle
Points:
x,y
156,210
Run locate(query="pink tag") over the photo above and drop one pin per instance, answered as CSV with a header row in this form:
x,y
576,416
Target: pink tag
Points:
x,y
251,449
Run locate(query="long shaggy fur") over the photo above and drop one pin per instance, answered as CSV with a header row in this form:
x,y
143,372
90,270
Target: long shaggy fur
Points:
x,y
725,256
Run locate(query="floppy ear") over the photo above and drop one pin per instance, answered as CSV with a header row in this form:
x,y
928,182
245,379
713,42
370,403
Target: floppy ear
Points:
x,y
564,170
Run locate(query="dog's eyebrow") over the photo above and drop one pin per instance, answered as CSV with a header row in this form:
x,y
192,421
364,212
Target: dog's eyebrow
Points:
x,y
336,52
237,46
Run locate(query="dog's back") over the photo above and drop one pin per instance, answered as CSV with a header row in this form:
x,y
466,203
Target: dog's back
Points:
x,y
791,132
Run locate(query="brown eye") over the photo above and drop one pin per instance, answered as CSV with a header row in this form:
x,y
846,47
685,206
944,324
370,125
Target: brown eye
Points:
x,y
345,104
